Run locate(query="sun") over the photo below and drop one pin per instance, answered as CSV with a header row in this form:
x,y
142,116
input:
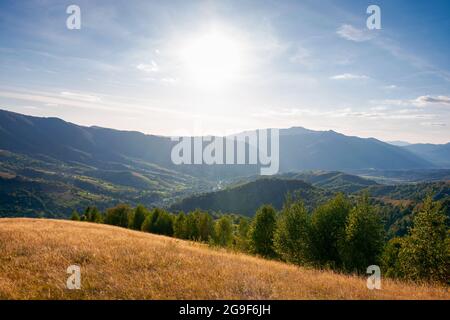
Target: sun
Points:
x,y
212,60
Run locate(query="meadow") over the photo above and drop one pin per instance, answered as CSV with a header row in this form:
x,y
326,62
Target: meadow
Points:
x,y
118,263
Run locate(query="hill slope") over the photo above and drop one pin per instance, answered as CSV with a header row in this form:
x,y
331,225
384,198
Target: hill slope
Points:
x,y
334,180
246,198
122,264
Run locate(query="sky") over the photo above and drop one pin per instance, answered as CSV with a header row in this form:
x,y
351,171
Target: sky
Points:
x,y
221,67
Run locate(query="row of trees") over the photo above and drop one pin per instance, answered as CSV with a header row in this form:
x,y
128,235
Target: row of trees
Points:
x,y
336,235
196,226
339,234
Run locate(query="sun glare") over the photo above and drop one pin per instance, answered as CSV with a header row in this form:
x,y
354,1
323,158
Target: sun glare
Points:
x,y
212,60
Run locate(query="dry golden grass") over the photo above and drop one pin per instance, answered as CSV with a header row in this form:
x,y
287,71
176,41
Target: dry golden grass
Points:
x,y
122,264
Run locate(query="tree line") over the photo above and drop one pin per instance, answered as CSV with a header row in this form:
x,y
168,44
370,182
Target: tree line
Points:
x,y
343,235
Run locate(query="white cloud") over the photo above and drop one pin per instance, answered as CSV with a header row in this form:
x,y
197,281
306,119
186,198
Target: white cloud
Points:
x,y
86,101
351,33
379,113
152,67
427,100
349,76
301,56
169,80
164,81
80,96
374,113
433,124
421,101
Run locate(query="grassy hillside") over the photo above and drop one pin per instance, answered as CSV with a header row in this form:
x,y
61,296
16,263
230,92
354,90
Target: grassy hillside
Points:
x,y
122,264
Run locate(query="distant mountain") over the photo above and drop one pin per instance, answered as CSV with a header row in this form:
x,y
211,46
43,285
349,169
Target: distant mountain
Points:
x,y
334,180
246,198
102,148
412,192
399,143
438,154
302,149
49,166
392,177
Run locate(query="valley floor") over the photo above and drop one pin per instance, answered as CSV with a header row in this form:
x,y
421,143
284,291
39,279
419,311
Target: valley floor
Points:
x,y
118,263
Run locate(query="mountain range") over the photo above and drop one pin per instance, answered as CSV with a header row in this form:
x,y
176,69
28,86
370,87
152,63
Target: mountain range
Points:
x,y
300,148
50,166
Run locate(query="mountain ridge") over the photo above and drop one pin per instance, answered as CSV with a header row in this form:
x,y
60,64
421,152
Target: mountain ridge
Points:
x,y
300,148
52,160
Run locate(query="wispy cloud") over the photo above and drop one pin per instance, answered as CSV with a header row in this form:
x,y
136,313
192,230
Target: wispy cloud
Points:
x,y
434,124
421,101
151,67
349,76
85,101
426,100
80,96
351,33
380,112
303,56
425,66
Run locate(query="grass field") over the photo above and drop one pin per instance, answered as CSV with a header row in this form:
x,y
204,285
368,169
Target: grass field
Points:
x,y
122,264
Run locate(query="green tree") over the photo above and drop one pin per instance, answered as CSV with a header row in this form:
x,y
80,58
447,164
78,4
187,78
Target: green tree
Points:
x,y
425,253
262,231
119,215
140,213
292,235
223,235
150,220
164,224
364,237
158,221
75,216
390,263
192,232
96,216
92,214
328,230
179,227
242,238
205,226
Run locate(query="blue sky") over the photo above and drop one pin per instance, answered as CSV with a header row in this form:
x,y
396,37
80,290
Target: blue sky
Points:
x,y
219,67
